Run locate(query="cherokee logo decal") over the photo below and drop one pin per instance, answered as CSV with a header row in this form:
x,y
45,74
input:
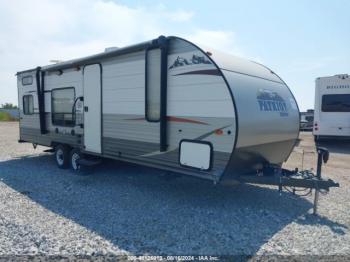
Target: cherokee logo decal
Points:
x,y
271,101
195,60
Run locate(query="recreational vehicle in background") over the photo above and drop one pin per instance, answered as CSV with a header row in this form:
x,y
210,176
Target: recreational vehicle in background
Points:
x,y
332,107
307,120
169,104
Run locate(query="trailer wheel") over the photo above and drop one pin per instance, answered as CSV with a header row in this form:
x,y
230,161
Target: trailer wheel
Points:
x,y
61,156
75,155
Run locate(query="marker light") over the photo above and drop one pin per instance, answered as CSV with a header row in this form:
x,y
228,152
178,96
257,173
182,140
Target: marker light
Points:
x,y
219,132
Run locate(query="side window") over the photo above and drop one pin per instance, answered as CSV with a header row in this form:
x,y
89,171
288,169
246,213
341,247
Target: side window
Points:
x,y
28,105
27,80
153,84
336,103
62,100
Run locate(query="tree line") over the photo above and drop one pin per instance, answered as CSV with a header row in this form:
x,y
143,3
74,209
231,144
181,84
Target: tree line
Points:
x,y
8,106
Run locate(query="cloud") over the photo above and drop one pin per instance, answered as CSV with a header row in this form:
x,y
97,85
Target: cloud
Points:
x,y
37,31
180,16
311,64
225,41
221,40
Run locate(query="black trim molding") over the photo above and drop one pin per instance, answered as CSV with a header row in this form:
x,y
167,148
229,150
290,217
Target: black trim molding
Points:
x,y
162,44
40,86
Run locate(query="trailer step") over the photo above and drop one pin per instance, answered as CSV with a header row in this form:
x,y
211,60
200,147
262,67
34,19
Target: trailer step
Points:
x,y
51,150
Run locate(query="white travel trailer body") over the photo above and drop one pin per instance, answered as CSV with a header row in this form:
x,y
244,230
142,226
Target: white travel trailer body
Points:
x,y
166,103
332,107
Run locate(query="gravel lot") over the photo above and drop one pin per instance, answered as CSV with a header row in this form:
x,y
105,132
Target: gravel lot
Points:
x,y
126,209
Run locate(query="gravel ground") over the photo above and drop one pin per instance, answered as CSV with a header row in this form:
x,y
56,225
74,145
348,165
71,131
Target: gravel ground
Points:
x,y
126,209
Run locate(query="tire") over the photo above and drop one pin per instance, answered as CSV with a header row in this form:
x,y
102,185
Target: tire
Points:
x,y
75,155
62,156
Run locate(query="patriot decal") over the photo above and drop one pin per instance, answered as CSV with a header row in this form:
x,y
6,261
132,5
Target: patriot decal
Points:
x,y
272,102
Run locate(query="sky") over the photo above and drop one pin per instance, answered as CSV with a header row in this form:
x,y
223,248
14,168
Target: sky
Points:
x,y
299,40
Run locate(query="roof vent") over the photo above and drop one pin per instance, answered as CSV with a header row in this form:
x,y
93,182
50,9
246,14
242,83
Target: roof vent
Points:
x,y
343,76
56,61
112,48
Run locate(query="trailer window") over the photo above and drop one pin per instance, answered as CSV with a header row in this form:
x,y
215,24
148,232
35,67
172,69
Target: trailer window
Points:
x,y
27,80
62,100
336,103
28,105
153,84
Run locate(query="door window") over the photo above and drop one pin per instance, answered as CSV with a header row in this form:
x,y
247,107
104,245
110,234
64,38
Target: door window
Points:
x,y
62,100
28,105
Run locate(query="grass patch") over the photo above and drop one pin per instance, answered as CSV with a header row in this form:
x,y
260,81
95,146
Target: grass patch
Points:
x,y
6,117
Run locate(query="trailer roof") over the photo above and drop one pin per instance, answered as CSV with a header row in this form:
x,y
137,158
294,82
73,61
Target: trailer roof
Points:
x,y
92,58
225,61
230,63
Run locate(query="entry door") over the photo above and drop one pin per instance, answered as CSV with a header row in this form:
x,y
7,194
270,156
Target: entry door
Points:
x,y
92,108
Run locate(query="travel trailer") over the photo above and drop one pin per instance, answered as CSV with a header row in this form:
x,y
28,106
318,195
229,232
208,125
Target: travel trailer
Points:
x,y
165,103
332,107
169,104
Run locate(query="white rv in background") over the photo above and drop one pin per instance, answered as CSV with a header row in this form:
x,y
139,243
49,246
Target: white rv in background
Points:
x,y
332,107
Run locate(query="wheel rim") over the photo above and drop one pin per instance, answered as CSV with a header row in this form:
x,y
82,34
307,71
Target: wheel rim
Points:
x,y
60,157
75,164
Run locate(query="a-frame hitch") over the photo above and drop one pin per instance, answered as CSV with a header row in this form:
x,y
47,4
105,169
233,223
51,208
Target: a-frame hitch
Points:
x,y
283,178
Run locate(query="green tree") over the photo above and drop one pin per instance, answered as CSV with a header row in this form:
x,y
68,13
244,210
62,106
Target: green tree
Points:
x,y
9,106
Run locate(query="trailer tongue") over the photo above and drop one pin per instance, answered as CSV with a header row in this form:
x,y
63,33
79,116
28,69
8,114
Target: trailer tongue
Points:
x,y
275,175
